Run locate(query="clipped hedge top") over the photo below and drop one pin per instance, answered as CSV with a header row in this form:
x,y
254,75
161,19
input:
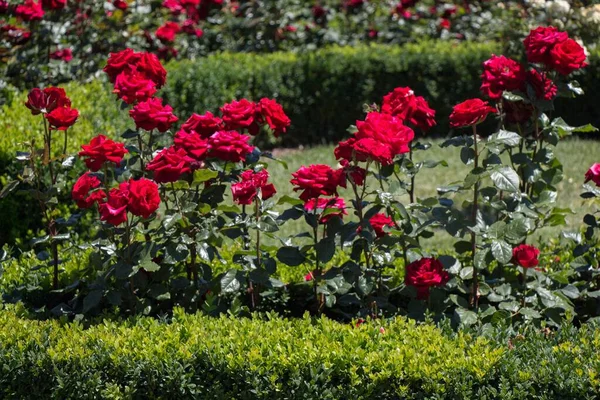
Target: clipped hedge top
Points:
x,y
203,357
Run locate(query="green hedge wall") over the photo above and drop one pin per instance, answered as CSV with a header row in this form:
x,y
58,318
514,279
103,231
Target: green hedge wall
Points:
x,y
224,358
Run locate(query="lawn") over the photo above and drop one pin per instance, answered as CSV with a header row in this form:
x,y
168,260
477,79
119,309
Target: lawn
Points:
x,y
577,155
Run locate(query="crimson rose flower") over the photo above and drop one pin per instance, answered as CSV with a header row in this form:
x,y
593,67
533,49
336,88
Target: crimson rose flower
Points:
x,y
30,11
378,222
167,31
567,57
205,125
470,112
102,150
273,114
229,146
374,150
541,41
61,118
386,130
114,209
501,74
323,203
65,55
170,164
245,191
240,115
81,191
117,62
526,256
150,66
422,116
593,174
543,86
402,103
194,145
151,114
317,180
54,4
143,197
425,273
132,85
120,4
355,173
45,101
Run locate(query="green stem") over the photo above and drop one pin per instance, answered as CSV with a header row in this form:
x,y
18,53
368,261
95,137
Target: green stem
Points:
x,y
475,288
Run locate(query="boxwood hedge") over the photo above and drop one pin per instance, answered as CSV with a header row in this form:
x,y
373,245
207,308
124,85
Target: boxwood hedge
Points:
x,y
193,356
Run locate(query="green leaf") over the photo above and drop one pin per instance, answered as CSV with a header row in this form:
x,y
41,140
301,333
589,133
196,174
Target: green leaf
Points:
x,y
229,208
465,317
466,273
230,282
203,175
505,178
8,188
290,256
92,299
289,200
325,249
501,251
505,137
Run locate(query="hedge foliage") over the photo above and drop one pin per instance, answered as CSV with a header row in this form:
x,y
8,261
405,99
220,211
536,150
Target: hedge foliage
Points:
x,y
193,356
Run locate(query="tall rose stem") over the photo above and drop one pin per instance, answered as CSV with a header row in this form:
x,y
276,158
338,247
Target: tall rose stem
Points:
x,y
317,272
475,290
411,192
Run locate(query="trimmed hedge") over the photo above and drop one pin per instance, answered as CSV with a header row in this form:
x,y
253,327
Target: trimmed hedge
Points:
x,y
194,356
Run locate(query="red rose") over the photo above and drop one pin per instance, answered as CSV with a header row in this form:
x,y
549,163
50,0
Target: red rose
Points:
x,y
517,112
151,67
470,112
501,74
317,180
373,150
345,151
386,129
102,150
61,118
273,114
120,4
425,273
543,86
132,85
194,145
398,102
30,11
81,191
45,101
54,4
593,174
151,114
540,42
143,197
318,11
354,173
114,209
229,146
567,57
251,182
240,115
117,62
322,204
205,125
378,222
65,55
189,27
422,116
167,31
169,165
526,256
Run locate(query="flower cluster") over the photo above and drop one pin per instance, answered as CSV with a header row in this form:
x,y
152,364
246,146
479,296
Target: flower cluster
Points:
x,y
55,106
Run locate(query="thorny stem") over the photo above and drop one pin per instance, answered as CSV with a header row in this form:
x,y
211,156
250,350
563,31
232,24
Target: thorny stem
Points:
x,y
317,271
411,192
475,289
524,283
141,146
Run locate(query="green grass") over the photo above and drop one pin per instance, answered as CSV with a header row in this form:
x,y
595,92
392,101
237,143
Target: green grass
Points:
x,y
577,155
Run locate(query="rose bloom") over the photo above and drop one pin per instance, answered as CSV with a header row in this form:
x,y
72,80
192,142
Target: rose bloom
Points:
x,y
402,103
386,129
170,164
322,203
81,191
44,101
167,31
593,174
102,150
132,86
373,150
114,209
425,273
54,4
149,65
229,146
65,55
543,86
378,222
30,11
143,197
356,174
470,112
120,4
240,115
189,27
117,62
501,74
272,113
245,191
567,57
151,114
526,256
541,41
422,116
317,180
194,145
61,118
205,125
